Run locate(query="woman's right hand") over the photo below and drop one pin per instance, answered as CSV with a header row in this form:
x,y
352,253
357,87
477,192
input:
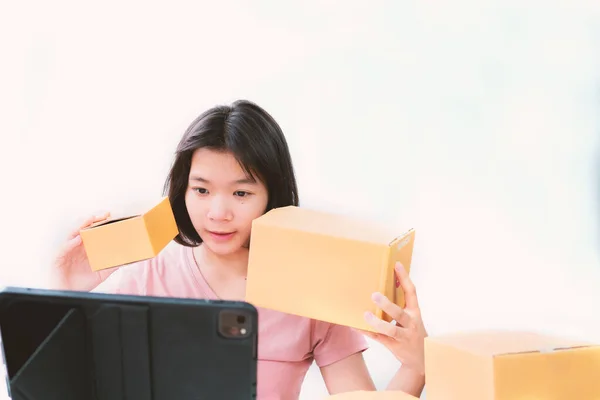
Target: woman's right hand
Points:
x,y
71,268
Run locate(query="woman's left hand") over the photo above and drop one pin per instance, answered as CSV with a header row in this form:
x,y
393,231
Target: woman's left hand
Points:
x,y
406,338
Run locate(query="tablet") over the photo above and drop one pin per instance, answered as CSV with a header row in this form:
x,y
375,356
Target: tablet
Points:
x,y
67,345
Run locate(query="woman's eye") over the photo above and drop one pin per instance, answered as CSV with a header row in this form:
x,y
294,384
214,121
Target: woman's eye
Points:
x,y
241,193
201,190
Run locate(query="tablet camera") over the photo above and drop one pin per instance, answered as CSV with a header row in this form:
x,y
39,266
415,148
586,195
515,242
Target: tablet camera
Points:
x,y
234,324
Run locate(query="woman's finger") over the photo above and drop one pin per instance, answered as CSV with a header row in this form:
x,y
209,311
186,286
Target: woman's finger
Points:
x,y
67,248
370,334
383,327
72,243
410,292
383,339
391,309
89,221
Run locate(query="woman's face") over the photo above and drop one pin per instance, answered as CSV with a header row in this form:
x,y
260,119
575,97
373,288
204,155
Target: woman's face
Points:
x,y
222,201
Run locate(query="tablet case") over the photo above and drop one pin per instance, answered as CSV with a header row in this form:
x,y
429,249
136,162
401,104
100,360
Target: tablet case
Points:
x,y
79,345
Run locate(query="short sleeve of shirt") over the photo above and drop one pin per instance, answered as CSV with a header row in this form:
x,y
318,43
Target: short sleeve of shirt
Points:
x,y
335,342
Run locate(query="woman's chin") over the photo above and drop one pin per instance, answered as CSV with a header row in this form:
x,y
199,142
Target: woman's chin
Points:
x,y
224,248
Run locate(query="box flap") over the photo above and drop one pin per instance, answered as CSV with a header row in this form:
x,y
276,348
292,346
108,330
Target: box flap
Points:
x,y
403,240
110,221
372,395
133,209
495,343
329,224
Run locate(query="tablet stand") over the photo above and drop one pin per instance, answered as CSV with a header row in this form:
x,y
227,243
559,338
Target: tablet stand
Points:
x,y
82,356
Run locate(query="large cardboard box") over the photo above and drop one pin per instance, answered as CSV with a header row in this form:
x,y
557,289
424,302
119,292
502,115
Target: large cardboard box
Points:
x,y
367,395
505,365
131,238
323,265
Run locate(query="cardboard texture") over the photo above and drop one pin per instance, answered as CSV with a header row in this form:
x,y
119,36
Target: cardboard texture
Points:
x,y
324,266
132,238
504,365
366,395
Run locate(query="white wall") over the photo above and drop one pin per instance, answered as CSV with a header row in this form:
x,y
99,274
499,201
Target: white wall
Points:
x,y
476,124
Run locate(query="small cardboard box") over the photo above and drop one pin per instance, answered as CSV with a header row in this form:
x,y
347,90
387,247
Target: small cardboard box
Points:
x,y
128,239
375,395
503,365
324,266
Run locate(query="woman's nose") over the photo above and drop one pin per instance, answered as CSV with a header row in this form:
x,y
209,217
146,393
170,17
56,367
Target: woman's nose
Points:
x,y
219,209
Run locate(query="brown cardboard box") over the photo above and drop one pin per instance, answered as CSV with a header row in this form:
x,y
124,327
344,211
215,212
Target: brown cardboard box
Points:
x,y
366,395
503,365
128,239
323,266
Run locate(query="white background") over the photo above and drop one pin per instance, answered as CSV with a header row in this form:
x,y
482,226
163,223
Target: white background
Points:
x,y
474,122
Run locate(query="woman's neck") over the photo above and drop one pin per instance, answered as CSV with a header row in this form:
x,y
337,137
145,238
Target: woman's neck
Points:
x,y
225,266
225,275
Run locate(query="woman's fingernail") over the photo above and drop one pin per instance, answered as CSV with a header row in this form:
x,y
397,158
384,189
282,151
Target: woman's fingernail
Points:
x,y
377,297
369,316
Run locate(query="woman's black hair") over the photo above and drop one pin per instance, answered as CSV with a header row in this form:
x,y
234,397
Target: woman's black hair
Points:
x,y
257,142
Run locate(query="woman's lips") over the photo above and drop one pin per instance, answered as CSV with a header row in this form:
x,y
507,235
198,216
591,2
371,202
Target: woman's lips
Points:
x,y
221,236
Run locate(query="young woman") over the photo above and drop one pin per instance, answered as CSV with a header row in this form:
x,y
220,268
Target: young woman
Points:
x,y
231,166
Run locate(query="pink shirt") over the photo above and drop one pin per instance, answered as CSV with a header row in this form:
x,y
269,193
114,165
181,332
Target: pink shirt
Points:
x,y
288,344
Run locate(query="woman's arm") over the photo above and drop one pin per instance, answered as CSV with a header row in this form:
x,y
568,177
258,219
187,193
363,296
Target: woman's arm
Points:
x,y
405,339
351,374
408,381
347,375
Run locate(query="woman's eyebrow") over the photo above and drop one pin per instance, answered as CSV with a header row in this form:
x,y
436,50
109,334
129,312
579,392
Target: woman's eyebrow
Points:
x,y
238,181
245,181
199,179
